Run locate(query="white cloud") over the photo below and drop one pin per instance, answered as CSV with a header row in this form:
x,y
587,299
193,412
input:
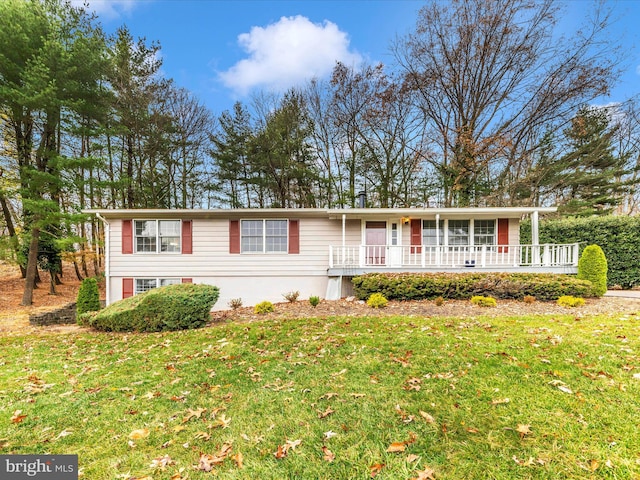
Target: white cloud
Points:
x,y
107,9
287,53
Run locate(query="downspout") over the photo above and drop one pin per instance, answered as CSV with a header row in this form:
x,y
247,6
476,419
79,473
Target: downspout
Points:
x,y
107,267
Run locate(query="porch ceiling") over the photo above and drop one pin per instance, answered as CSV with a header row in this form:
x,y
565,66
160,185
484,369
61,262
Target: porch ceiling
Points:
x,y
462,213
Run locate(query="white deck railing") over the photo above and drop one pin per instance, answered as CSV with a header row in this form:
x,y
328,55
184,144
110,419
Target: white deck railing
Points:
x,y
391,256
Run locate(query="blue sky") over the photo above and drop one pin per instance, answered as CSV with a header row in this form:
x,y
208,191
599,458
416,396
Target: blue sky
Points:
x,y
223,50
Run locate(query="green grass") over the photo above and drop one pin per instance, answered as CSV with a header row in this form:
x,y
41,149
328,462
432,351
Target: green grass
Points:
x,y
570,380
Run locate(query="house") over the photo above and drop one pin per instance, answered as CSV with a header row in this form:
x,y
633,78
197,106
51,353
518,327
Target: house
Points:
x,y
261,254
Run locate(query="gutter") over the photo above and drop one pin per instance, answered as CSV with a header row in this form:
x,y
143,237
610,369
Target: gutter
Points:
x,y
107,237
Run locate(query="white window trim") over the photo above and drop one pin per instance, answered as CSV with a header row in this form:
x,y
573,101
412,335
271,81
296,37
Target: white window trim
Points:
x,y
495,232
157,279
264,236
157,252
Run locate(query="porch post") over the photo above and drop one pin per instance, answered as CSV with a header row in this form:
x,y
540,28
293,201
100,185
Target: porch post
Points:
x,y
438,257
535,240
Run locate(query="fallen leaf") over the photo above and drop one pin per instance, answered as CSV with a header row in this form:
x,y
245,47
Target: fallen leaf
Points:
x,y
208,461
64,433
523,430
283,450
238,458
341,372
426,474
202,436
197,413
18,417
326,413
427,417
593,465
162,462
328,456
375,469
138,434
396,447
222,422
330,434
500,401
412,458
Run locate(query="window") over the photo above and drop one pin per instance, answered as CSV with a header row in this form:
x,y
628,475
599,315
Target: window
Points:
x,y
429,232
153,236
146,284
458,232
264,236
484,232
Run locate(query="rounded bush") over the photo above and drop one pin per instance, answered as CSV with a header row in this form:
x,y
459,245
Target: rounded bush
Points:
x,y
314,300
263,307
592,266
88,299
484,301
569,301
173,307
377,300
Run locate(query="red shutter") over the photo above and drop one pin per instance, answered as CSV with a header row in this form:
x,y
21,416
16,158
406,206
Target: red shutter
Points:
x,y
127,287
187,280
234,236
127,237
187,242
294,236
503,234
416,235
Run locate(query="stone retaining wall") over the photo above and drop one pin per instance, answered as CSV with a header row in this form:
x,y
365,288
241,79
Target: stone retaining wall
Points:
x,y
62,315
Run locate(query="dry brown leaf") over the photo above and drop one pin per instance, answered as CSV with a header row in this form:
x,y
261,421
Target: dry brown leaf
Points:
x,y
138,434
500,401
222,422
207,461
238,458
326,413
162,462
202,436
426,474
523,430
197,413
396,447
593,465
18,417
328,456
375,469
283,450
427,417
412,458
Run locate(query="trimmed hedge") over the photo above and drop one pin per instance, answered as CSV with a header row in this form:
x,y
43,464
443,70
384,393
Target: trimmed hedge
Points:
x,y
618,236
88,299
173,307
462,286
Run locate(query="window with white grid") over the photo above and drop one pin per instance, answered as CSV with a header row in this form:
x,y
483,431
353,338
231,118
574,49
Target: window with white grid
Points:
x,y
484,232
458,232
146,284
430,233
153,236
264,236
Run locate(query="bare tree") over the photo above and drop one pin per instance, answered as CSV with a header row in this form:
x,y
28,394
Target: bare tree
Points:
x,y
491,77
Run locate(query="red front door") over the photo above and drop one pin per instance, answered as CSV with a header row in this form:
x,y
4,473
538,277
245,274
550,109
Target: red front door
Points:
x,y
375,241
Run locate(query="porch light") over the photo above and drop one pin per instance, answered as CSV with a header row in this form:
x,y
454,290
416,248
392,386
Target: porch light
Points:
x,y
406,220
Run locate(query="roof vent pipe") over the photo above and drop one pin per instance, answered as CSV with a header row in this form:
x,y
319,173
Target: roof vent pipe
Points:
x,y
362,199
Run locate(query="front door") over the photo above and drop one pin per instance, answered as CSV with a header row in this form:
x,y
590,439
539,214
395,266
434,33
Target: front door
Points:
x,y
375,243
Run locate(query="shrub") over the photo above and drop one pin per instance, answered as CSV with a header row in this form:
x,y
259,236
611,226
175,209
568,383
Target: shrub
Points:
x,y
570,301
481,301
618,235
529,299
439,301
377,300
172,307
592,266
235,303
263,307
291,296
461,286
314,301
88,296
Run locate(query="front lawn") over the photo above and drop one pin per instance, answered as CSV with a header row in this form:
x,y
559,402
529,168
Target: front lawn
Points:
x,y
343,398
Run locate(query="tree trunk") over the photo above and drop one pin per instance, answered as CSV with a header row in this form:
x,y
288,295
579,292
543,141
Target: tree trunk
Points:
x,y
75,266
32,264
52,283
9,221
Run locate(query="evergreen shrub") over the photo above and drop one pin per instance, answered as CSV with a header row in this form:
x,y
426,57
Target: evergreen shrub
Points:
x,y
592,266
482,301
570,301
172,307
377,300
462,286
314,300
263,307
88,299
